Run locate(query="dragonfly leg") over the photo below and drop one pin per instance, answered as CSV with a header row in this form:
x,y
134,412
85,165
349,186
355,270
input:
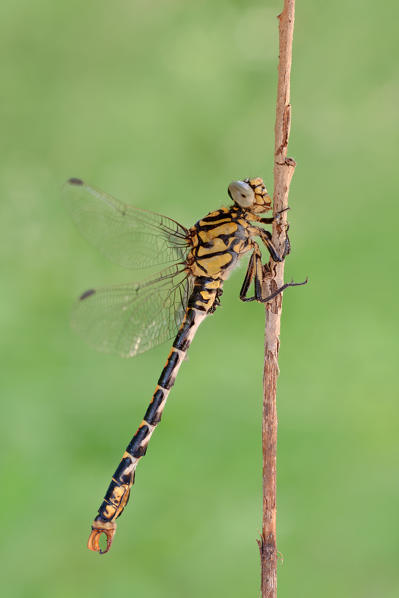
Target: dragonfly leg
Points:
x,y
272,218
287,246
266,238
281,289
255,271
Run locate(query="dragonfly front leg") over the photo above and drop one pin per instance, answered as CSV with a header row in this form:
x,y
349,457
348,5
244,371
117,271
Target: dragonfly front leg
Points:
x,y
272,218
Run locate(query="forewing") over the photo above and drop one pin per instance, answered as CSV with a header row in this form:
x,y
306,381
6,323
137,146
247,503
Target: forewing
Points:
x,y
129,319
129,236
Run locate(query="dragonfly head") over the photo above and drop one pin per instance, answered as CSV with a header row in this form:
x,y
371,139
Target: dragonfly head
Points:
x,y
250,194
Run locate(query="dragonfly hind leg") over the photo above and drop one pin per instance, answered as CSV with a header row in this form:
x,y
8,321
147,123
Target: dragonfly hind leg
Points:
x,y
256,271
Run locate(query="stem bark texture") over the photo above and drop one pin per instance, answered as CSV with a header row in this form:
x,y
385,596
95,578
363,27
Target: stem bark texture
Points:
x,y
283,171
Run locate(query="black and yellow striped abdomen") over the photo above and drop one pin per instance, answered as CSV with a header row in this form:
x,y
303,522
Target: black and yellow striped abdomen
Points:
x,y
118,491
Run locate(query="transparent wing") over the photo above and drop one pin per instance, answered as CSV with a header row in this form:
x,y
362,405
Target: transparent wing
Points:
x,y
129,319
129,236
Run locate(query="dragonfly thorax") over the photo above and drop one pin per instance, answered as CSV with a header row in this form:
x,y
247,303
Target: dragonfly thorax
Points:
x,y
218,241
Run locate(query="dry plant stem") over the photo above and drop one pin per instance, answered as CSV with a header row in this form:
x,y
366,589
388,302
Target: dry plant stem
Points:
x,y
283,171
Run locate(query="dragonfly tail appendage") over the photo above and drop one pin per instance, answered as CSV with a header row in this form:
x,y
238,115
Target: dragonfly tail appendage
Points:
x,y
118,491
108,528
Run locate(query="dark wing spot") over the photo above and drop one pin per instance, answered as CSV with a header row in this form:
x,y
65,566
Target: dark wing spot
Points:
x,y
87,294
74,181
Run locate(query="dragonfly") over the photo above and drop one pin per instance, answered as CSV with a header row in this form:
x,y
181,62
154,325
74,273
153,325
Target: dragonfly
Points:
x,y
129,319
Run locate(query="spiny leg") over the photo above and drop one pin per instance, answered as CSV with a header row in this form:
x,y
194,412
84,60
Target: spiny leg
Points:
x,y
273,218
266,238
281,289
287,244
248,279
255,270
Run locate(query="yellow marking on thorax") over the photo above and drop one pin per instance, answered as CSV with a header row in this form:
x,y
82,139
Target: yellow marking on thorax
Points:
x,y
243,221
221,220
213,265
224,229
229,228
194,238
238,247
217,245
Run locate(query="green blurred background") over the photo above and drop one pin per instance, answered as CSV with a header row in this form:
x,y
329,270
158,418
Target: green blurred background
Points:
x,y
162,104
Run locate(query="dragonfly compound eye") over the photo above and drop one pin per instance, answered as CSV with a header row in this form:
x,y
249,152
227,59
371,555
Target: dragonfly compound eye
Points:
x,y
242,194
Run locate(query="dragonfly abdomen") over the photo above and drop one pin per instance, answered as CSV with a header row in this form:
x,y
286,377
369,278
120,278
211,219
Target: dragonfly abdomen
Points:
x,y
203,300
